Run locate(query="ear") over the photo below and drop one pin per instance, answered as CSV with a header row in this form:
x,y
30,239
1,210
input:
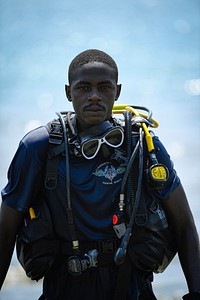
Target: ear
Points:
x,y
119,86
68,92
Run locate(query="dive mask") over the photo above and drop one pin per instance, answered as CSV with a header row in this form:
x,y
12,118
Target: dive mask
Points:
x,y
92,138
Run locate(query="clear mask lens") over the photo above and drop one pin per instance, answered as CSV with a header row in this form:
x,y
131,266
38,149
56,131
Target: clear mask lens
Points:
x,y
90,148
114,138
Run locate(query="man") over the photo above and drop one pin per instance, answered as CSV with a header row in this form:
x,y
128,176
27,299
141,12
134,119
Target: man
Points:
x,y
95,182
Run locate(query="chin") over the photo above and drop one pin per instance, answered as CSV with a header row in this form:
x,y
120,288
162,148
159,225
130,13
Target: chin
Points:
x,y
94,121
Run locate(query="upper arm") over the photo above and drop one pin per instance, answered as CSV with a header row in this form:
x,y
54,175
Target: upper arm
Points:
x,y
178,210
10,220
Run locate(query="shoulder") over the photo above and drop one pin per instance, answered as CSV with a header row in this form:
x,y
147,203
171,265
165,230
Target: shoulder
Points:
x,y
160,148
35,142
37,136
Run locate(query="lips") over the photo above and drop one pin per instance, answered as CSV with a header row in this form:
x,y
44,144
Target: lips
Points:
x,y
94,108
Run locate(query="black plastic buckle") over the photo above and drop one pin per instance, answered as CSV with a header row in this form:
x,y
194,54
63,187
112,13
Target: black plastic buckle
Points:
x,y
56,135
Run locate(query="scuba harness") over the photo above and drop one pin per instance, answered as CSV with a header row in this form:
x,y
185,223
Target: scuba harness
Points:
x,y
59,143
64,140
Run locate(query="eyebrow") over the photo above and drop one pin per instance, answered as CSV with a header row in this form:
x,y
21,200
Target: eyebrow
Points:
x,y
88,82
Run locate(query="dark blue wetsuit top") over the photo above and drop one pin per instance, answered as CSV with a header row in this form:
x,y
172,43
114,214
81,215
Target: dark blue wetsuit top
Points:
x,y
95,186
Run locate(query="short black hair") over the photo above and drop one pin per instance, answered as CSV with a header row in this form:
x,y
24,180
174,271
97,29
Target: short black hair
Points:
x,y
91,55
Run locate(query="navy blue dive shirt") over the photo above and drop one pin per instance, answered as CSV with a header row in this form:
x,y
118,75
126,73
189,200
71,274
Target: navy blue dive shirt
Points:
x,y
95,186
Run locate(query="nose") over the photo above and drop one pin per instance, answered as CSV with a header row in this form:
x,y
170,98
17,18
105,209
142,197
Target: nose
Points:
x,y
94,95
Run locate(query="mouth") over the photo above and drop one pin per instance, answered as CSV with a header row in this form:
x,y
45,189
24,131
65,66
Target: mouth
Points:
x,y
94,108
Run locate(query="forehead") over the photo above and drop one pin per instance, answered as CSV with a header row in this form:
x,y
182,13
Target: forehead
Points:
x,y
97,71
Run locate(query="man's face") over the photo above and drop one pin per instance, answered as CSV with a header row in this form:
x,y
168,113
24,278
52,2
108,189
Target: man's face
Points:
x,y
93,92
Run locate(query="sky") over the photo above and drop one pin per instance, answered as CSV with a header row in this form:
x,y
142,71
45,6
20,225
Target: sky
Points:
x,y
156,44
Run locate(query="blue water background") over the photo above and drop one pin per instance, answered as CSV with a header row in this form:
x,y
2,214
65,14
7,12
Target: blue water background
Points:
x,y
156,44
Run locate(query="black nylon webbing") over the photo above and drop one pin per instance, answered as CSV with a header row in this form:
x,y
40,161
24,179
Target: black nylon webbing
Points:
x,y
55,148
51,175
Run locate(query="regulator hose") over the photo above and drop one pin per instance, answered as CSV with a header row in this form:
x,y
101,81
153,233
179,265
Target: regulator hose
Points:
x,y
121,251
75,242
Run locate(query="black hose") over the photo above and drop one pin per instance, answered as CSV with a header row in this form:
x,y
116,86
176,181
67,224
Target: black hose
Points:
x,y
146,109
121,251
128,135
62,122
75,242
128,168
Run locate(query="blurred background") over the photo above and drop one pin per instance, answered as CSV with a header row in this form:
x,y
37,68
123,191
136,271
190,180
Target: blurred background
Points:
x,y
156,44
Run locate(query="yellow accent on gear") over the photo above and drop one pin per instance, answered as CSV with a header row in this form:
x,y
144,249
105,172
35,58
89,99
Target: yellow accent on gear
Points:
x,y
32,213
120,108
158,173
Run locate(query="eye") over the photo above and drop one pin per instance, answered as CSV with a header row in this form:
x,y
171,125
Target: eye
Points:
x,y
83,88
105,87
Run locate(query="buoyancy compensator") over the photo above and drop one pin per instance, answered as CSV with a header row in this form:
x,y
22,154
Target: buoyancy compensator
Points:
x,y
139,221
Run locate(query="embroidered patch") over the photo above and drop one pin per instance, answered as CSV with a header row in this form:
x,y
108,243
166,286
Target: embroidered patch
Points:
x,y
110,173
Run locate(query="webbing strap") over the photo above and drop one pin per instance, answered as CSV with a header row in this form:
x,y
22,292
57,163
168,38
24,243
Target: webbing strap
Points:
x,y
141,213
51,176
55,148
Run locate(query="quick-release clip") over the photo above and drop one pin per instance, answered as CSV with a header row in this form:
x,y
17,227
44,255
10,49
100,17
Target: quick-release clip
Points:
x,y
119,224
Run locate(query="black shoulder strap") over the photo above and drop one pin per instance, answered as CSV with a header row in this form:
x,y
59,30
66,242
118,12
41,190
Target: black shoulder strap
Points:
x,y
55,148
